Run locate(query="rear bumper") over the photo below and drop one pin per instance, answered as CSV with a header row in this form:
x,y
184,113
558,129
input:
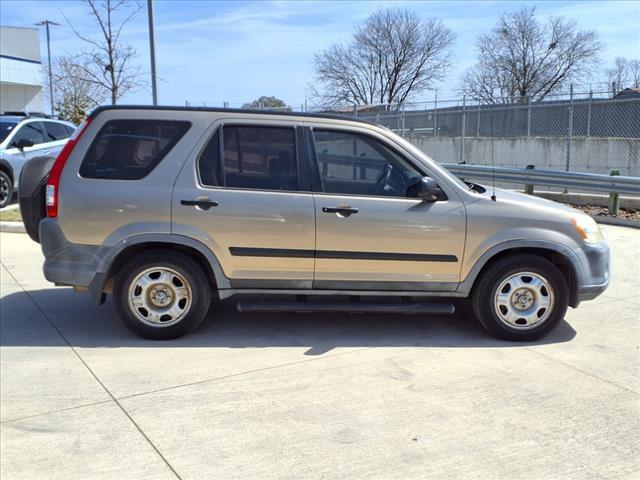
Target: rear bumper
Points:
x,y
67,263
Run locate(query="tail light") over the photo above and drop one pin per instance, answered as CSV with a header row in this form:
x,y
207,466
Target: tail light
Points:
x,y
53,190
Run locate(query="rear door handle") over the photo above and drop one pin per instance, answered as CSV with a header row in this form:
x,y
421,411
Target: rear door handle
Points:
x,y
345,211
203,204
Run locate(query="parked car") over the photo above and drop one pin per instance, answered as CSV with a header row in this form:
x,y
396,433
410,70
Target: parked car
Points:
x,y
23,138
166,207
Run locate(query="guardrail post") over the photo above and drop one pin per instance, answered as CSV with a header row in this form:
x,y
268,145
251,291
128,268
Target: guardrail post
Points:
x,y
528,187
614,198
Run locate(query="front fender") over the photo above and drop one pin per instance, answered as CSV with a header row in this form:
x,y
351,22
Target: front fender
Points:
x,y
522,238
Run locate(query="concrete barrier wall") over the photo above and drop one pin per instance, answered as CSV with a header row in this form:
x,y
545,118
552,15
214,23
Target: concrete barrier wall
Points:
x,y
591,155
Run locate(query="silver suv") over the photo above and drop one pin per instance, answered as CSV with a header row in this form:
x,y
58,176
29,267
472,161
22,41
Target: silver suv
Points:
x,y
167,207
22,138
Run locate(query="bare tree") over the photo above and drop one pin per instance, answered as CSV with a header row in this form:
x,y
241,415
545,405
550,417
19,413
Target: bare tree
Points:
x,y
391,57
523,57
624,74
108,61
74,94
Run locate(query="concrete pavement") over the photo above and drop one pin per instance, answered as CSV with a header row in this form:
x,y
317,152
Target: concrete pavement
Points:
x,y
315,396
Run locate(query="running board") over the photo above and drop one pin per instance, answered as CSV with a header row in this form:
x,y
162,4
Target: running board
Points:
x,y
354,307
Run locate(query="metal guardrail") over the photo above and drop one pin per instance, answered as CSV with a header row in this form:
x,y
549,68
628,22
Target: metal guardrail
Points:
x,y
552,178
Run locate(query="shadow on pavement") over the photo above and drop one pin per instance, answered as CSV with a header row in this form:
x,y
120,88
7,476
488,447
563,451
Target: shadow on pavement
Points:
x,y
86,325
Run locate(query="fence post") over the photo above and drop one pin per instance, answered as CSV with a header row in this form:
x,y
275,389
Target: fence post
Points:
x,y
403,121
528,187
435,116
570,129
528,116
614,198
589,113
464,101
478,122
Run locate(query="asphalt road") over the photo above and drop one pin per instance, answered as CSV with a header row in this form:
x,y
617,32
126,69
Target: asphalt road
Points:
x,y
315,396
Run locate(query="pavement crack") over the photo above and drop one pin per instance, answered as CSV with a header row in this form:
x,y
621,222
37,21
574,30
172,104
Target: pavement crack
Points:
x,y
592,375
113,398
50,412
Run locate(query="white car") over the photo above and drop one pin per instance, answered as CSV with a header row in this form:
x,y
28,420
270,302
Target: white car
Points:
x,y
23,138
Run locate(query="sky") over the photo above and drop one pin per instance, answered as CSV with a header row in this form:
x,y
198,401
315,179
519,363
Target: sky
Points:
x,y
209,52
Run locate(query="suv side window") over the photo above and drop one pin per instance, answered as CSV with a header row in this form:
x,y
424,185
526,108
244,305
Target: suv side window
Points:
x,y
255,157
29,131
355,164
55,131
130,149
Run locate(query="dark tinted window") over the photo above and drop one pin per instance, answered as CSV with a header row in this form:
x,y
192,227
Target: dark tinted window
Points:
x,y
254,157
55,131
356,164
130,149
5,128
70,129
29,131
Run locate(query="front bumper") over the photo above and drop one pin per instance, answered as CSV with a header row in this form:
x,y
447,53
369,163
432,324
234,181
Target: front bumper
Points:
x,y
596,271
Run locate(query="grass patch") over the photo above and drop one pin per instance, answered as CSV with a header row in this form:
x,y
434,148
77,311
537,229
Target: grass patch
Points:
x,y
12,215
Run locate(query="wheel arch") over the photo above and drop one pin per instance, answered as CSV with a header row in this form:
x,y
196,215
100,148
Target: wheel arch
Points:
x,y
6,167
559,255
119,254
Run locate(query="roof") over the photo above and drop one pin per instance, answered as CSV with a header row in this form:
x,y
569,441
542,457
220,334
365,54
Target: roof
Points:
x,y
230,110
628,92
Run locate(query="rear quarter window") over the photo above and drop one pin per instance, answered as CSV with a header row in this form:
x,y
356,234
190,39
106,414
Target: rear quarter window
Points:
x,y
130,149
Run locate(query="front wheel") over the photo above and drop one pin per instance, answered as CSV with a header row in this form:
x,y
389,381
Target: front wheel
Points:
x,y
161,295
521,298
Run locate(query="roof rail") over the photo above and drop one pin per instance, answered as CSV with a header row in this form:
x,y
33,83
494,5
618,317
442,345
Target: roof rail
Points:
x,y
18,113
334,116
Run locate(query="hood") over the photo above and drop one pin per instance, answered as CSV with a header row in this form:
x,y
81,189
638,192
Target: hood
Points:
x,y
529,201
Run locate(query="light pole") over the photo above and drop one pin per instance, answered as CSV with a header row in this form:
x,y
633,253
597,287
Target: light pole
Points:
x,y
152,52
46,23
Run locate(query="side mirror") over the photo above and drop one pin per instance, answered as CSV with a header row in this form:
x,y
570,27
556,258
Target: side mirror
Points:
x,y
425,188
23,143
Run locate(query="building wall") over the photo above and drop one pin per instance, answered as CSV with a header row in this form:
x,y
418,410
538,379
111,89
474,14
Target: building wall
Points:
x,y
20,70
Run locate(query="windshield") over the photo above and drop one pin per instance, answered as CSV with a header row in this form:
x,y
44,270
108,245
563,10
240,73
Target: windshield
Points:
x,y
5,128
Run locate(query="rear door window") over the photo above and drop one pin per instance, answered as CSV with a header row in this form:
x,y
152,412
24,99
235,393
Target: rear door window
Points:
x,y
130,149
55,131
256,157
29,131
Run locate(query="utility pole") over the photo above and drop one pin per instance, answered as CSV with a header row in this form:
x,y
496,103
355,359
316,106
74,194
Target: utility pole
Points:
x,y
152,52
46,24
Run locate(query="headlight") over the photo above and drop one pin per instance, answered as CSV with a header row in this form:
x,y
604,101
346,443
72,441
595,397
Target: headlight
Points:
x,y
588,229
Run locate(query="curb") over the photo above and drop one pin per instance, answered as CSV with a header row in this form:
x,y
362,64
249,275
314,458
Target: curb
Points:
x,y
619,222
12,227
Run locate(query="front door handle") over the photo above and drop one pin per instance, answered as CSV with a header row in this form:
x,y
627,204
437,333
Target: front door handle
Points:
x,y
344,211
202,204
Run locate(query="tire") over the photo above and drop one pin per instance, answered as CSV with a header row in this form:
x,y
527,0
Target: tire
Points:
x,y
161,294
6,189
533,298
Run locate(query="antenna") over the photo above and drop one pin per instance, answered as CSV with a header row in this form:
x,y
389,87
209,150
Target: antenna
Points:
x,y
493,163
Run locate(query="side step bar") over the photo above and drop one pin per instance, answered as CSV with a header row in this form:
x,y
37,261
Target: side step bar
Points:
x,y
302,307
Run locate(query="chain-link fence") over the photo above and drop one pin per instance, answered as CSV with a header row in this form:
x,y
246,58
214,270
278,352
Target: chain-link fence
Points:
x,y
582,132
596,135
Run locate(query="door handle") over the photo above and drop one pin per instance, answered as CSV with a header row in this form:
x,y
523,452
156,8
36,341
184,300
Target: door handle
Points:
x,y
203,204
344,211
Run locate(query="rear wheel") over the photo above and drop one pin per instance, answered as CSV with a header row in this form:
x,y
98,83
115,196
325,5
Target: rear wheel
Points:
x,y
6,189
521,298
161,295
